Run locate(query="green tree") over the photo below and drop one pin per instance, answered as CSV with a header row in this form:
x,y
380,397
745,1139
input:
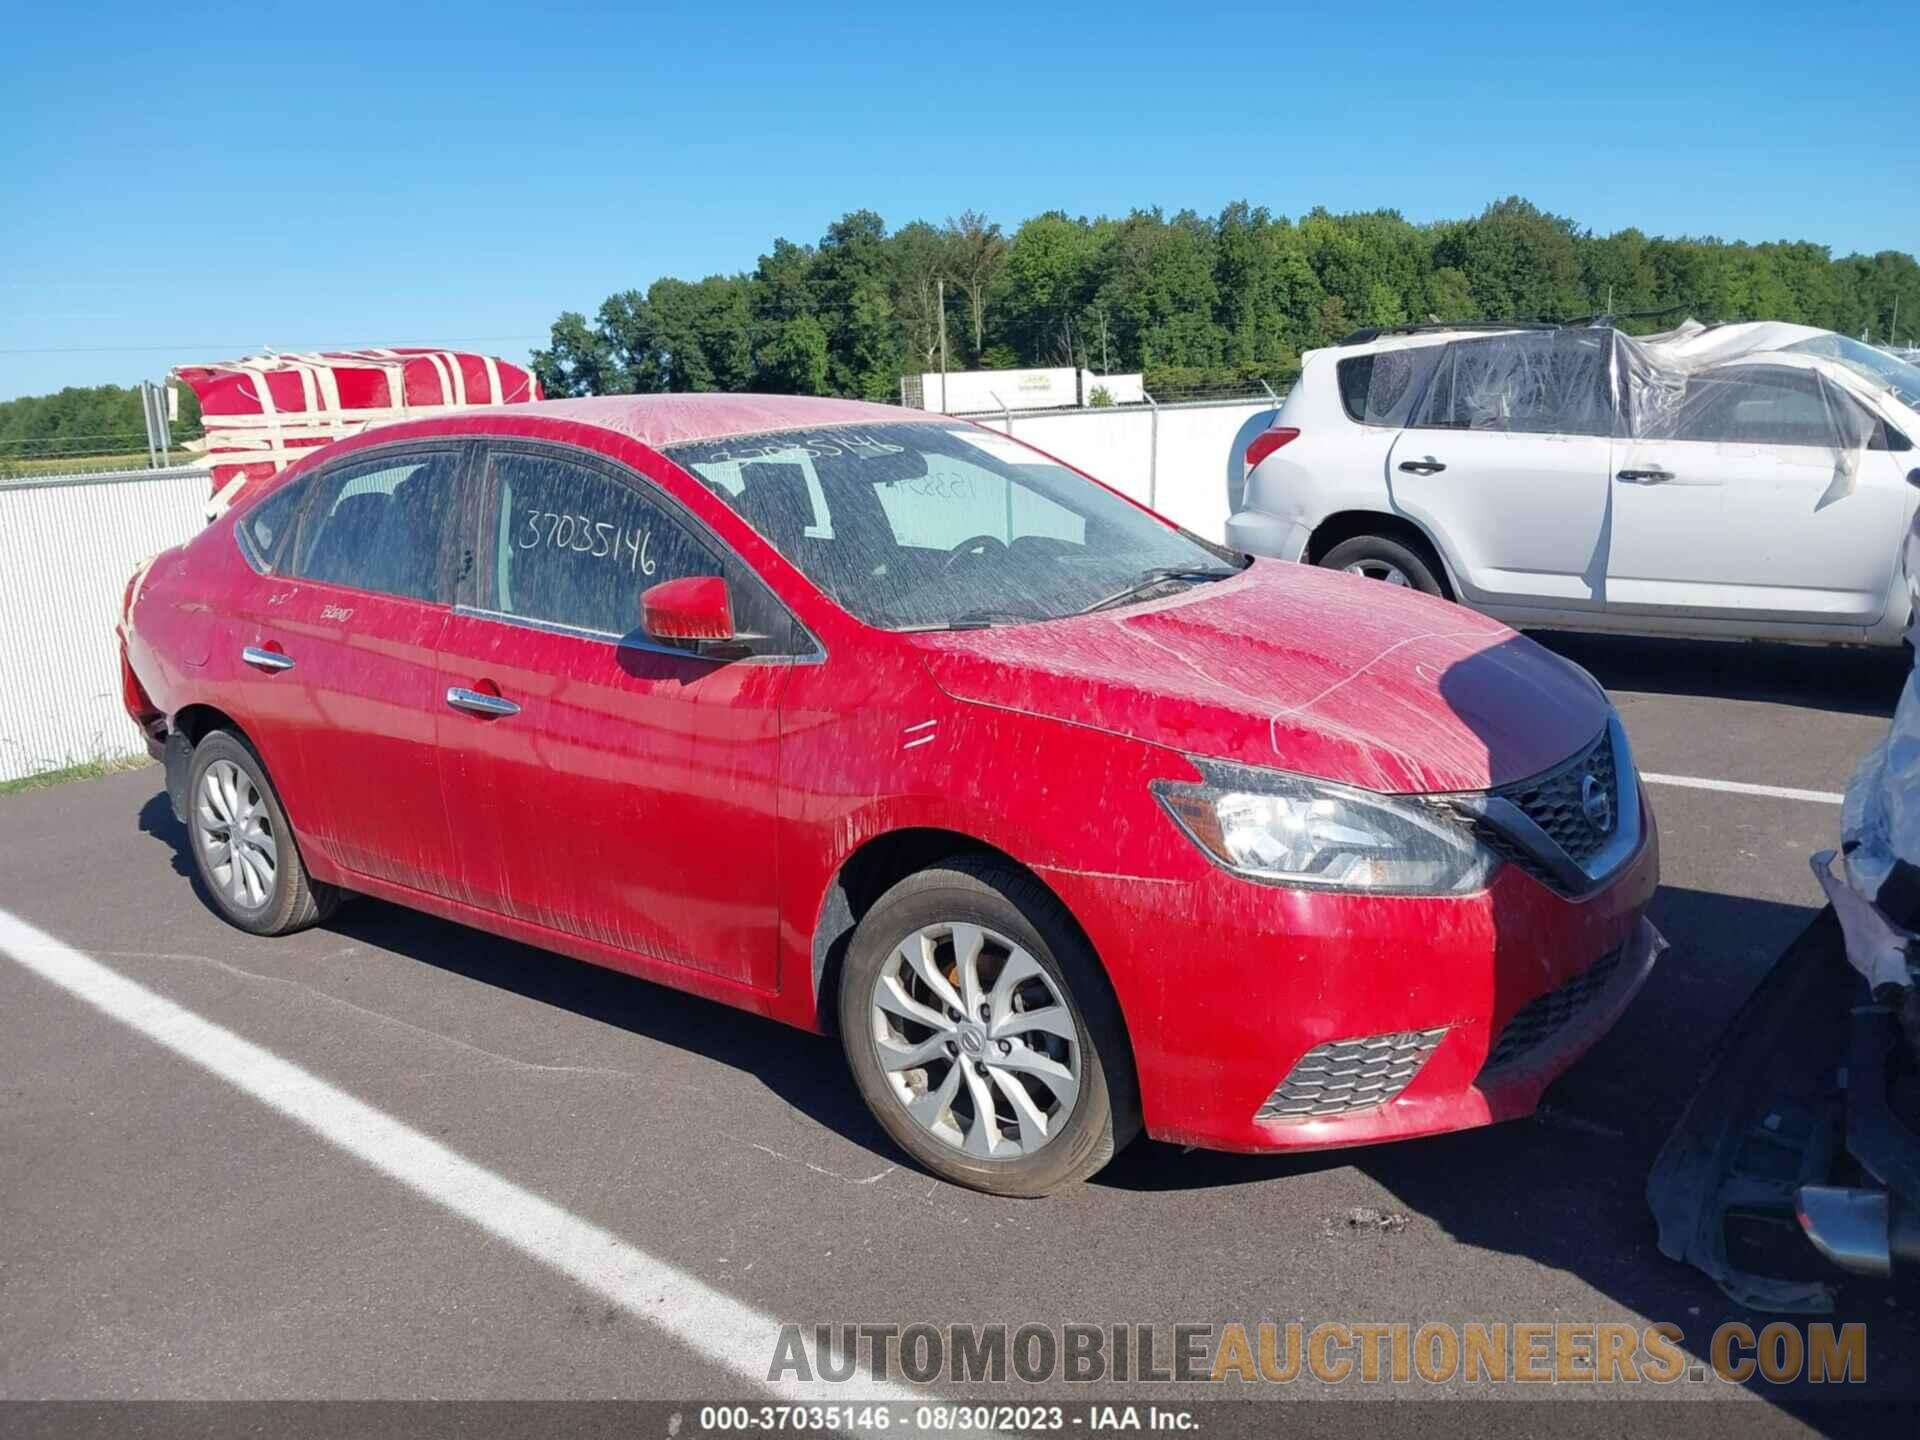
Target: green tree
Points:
x,y
855,307
578,359
1616,274
793,360
975,252
1042,287
1520,262
1157,282
1268,296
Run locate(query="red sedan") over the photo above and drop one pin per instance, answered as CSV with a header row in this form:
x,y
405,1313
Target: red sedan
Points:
x,y
1068,822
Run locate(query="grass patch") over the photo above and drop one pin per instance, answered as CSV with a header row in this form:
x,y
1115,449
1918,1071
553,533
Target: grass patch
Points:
x,y
85,770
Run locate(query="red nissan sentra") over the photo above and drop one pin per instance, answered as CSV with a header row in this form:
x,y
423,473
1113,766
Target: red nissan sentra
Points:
x,y
1069,823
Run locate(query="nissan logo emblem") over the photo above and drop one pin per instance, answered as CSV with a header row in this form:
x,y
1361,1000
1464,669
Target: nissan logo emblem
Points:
x,y
1596,804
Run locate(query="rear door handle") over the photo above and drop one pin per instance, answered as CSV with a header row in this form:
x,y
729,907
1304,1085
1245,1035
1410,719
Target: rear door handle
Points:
x,y
1428,466
480,703
266,659
1646,477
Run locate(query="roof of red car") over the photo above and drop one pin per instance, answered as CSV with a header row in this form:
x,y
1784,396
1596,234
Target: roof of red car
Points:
x,y
660,420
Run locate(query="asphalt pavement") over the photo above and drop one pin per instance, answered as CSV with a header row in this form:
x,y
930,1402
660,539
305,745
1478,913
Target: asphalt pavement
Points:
x,y
166,1234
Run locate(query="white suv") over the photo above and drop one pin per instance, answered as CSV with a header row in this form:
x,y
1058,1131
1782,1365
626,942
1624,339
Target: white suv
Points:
x,y
1747,481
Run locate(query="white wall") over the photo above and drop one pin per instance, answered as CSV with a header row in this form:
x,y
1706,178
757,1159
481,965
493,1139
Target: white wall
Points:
x,y
66,551
970,392
1197,480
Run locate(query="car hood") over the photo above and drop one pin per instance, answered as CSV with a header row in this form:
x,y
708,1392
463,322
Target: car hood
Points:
x,y
1298,669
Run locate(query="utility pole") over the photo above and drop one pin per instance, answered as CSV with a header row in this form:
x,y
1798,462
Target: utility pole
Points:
x,y
940,289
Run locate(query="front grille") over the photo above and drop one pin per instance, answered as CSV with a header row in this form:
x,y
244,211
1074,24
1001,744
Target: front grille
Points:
x,y
1347,1075
1541,1019
1503,845
1553,801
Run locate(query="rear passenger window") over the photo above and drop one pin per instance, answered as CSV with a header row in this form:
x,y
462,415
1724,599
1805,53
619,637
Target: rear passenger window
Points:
x,y
1533,383
265,525
574,545
1380,389
380,525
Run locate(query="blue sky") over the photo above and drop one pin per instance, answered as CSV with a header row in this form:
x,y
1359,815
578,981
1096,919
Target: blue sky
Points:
x,y
201,179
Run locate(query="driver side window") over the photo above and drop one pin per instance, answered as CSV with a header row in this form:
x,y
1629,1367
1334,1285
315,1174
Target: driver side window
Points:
x,y
574,545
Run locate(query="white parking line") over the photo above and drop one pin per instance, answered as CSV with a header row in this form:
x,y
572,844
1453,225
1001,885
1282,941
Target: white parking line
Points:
x,y
1741,787
714,1326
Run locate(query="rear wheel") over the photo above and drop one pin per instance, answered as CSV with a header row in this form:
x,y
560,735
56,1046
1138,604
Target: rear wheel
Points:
x,y
1375,557
981,1033
242,845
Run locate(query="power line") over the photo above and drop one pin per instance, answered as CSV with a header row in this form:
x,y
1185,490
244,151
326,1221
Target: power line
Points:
x,y
337,345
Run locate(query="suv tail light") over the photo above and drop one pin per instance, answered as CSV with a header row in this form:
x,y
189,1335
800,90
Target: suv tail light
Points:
x,y
1268,441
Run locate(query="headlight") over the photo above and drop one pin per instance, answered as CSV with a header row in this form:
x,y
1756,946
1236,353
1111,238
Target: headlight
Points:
x,y
1287,829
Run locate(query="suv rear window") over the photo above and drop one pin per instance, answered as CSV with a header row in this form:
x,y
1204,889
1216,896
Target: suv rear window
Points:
x,y
1380,389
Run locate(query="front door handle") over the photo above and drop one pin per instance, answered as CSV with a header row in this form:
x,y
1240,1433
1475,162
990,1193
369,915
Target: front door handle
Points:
x,y
478,702
1428,466
266,659
1646,477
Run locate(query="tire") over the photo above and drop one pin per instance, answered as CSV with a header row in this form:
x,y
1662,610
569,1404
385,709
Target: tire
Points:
x,y
1057,1140
1379,558
266,891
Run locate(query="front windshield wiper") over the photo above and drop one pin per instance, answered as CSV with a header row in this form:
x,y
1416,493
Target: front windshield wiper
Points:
x,y
982,619
1153,579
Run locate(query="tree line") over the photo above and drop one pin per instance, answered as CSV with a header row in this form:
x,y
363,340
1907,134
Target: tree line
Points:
x,y
86,420
1191,300
1194,301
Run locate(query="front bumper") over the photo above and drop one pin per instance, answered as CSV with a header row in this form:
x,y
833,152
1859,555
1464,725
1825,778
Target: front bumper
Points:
x,y
1223,1009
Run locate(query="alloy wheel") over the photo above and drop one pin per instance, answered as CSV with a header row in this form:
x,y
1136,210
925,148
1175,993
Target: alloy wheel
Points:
x,y
236,835
976,1040
1380,570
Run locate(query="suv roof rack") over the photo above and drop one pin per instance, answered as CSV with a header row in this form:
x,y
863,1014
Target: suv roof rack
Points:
x,y
1598,322
1374,332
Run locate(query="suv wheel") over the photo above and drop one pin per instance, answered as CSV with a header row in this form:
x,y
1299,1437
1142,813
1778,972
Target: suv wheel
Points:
x,y
981,1033
1378,558
242,846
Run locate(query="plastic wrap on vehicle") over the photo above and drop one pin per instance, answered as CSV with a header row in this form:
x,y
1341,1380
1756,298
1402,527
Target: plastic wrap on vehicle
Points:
x,y
1677,389
1524,382
1689,385
1877,895
1880,821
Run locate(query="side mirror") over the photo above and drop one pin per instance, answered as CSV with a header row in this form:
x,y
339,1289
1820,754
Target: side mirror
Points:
x,y
696,608
1913,478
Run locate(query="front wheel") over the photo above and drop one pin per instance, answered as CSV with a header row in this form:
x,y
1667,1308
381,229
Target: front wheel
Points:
x,y
1375,557
242,845
982,1034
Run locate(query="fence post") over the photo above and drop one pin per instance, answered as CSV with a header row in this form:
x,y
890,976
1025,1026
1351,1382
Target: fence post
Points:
x,y
1153,453
1005,413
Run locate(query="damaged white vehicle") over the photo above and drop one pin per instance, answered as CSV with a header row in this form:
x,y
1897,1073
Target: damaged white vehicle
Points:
x,y
1796,1162
1748,481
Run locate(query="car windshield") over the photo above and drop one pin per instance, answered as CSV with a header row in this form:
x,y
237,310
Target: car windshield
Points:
x,y
1876,367
929,524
